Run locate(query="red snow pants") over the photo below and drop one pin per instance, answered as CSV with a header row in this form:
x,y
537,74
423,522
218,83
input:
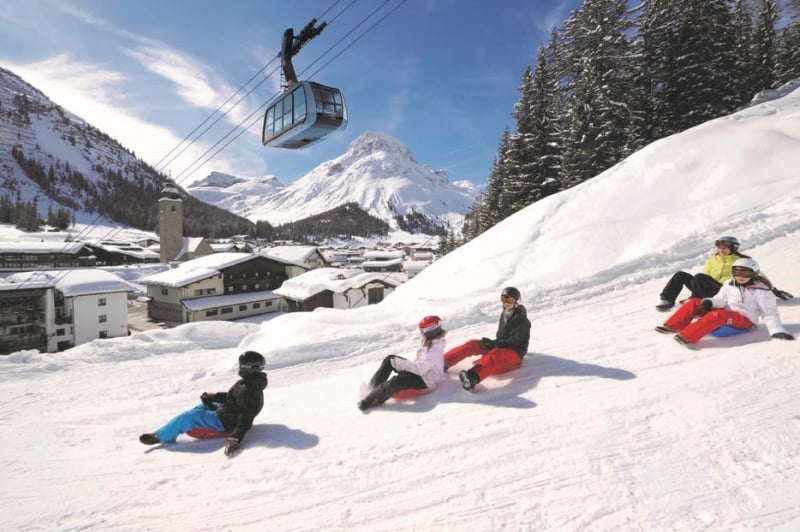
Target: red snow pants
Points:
x,y
492,361
681,320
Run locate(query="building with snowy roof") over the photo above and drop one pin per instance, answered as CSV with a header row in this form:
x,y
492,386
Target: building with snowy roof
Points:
x,y
309,257
221,286
117,253
58,309
338,288
44,255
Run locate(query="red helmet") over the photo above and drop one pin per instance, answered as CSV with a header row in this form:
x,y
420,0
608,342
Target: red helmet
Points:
x,y
430,326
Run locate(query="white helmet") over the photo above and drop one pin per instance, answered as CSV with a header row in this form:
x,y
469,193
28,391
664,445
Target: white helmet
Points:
x,y
746,263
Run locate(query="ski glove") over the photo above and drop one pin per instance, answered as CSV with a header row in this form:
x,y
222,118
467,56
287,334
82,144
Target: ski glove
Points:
x,y
783,295
783,336
208,399
233,447
707,305
488,343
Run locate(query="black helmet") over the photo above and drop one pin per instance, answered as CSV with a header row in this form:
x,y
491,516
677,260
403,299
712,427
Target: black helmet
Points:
x,y
731,242
251,362
511,291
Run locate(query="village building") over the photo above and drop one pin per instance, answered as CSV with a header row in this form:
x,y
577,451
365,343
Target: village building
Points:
x,y
337,288
221,286
57,309
310,257
46,255
382,261
117,253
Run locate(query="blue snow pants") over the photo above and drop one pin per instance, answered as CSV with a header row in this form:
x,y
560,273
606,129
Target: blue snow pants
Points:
x,y
199,416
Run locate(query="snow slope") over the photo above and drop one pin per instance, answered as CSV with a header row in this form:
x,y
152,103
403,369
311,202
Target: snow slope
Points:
x,y
607,426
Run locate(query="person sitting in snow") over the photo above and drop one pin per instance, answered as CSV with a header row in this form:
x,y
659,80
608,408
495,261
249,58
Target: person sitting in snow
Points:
x,y
499,355
716,270
739,303
232,411
425,372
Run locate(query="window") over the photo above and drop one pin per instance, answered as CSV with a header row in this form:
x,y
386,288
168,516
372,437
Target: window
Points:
x,y
256,305
102,318
268,303
103,334
211,312
227,310
101,302
242,308
198,292
257,286
244,288
230,289
60,332
164,292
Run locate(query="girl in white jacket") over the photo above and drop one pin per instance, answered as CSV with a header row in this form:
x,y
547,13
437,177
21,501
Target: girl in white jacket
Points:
x,y
741,301
425,372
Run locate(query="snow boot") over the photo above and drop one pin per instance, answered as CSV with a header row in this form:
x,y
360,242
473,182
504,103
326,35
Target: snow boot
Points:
x,y
681,340
468,379
665,305
149,438
664,329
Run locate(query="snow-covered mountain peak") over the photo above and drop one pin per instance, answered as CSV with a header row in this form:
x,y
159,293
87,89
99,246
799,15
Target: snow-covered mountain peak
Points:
x,y
372,143
378,172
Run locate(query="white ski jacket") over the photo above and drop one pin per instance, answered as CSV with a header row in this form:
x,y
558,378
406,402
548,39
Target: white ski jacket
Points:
x,y
429,363
754,300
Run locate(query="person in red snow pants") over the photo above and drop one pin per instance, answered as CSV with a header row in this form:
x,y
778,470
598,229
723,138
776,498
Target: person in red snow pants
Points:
x,y
499,355
681,320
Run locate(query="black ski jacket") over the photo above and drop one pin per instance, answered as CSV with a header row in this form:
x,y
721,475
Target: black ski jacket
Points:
x,y
515,332
241,404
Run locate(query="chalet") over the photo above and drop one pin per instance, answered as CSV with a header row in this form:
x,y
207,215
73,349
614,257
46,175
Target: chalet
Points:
x,y
382,261
52,255
221,286
116,253
58,309
337,288
192,248
419,261
308,257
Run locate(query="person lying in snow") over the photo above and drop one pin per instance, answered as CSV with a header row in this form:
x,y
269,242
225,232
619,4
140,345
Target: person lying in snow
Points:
x,y
716,270
739,304
425,372
232,411
499,355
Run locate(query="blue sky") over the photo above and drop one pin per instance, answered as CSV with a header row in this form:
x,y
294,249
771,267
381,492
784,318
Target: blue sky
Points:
x,y
442,76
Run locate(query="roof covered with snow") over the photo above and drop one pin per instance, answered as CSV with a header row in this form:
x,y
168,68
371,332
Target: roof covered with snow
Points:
x,y
71,283
197,269
43,247
336,280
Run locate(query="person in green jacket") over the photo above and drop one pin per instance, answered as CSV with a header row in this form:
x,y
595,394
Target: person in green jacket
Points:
x,y
706,284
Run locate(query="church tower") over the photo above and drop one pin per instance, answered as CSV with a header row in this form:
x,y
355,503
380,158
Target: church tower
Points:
x,y
170,222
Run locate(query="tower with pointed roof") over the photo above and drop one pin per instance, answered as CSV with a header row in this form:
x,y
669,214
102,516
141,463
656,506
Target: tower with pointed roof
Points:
x,y
170,221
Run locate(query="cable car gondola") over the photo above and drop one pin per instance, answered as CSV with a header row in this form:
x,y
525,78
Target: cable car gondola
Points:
x,y
306,111
303,115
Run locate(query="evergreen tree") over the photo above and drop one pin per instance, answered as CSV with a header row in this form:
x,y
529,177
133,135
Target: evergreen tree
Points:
x,y
743,47
597,113
765,46
787,67
689,48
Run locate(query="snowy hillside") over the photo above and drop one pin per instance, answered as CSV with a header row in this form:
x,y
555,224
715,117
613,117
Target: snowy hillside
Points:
x,y
378,172
77,157
607,426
